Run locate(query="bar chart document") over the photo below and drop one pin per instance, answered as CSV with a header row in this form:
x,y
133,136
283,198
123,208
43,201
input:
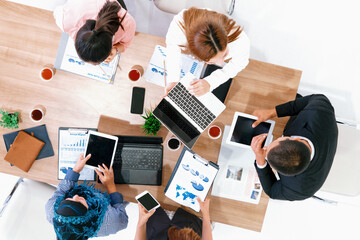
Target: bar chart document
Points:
x,y
72,143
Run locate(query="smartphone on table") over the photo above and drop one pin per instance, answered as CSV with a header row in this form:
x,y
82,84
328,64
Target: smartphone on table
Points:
x,y
137,100
147,201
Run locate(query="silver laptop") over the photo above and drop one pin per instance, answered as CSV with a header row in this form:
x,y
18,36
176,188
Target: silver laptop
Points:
x,y
185,115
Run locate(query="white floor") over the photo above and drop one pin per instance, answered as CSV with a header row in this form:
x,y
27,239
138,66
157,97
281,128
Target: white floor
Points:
x,y
24,217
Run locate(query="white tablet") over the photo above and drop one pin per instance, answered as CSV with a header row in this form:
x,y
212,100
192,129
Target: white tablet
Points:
x,y
102,148
241,132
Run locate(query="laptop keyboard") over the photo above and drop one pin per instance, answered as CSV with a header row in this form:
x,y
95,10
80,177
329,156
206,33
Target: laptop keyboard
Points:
x,y
191,106
138,157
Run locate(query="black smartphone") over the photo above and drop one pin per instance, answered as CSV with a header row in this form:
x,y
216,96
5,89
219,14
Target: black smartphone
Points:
x,y
137,100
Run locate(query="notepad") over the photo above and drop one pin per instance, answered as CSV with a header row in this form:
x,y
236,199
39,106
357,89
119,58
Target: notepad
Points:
x,y
192,177
23,151
40,133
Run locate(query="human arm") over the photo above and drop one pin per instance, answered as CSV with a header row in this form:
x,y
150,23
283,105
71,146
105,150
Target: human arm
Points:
x,y
263,115
293,108
106,177
311,102
272,187
144,216
174,38
115,218
199,87
116,49
206,223
260,152
65,185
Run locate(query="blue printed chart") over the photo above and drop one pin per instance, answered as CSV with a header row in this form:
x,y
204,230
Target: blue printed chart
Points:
x,y
192,179
72,63
71,146
155,70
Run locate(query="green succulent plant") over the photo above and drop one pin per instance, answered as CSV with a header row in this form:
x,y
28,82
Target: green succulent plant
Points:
x,y
151,125
9,120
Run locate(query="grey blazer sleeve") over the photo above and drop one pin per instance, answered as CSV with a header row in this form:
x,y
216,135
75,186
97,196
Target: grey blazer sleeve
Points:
x,y
115,218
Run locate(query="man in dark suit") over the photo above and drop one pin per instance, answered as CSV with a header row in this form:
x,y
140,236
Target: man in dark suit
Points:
x,y
304,154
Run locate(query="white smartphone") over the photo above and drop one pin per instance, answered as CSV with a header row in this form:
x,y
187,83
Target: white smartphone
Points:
x,y
102,148
147,201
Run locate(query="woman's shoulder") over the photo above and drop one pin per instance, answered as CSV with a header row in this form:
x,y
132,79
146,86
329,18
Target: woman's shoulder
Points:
x,y
128,19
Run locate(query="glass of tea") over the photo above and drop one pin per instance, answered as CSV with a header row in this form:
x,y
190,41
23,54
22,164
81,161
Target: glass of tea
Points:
x,y
136,72
173,144
37,113
47,73
214,132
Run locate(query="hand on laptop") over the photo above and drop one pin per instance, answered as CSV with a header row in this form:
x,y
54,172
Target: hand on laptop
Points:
x,y
168,87
79,166
199,87
107,178
263,115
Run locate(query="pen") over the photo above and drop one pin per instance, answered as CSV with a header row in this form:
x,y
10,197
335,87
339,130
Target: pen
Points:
x,y
164,76
105,73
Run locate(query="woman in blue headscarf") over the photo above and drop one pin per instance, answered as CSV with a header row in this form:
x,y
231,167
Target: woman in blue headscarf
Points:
x,y
80,211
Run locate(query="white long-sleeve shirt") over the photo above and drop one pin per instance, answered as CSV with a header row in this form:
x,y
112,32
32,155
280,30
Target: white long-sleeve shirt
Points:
x,y
239,53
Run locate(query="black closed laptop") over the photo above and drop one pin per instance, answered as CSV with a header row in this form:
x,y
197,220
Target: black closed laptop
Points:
x,y
138,160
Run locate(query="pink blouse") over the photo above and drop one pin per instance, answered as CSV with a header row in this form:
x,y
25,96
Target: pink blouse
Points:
x,y
72,16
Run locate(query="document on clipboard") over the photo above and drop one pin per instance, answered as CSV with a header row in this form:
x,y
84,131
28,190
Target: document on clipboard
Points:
x,y
192,177
72,143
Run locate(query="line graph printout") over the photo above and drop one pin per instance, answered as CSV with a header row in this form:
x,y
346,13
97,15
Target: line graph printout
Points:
x,y
71,145
155,70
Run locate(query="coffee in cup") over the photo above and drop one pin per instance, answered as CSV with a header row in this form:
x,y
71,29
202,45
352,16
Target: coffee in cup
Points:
x,y
37,113
173,144
136,72
47,73
214,132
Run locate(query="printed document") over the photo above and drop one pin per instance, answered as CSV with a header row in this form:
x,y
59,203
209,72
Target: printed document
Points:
x,y
191,178
155,70
237,178
68,60
71,145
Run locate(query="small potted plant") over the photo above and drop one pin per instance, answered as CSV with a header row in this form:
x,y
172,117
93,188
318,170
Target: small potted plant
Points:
x,y
151,125
9,120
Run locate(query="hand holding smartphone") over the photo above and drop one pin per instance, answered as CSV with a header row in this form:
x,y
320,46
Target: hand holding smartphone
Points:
x,y
147,201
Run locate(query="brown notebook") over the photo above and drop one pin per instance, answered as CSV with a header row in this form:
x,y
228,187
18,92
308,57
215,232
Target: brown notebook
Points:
x,y
24,151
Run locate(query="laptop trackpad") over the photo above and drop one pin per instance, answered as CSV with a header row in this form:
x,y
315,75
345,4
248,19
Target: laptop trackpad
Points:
x,y
133,176
122,177
141,177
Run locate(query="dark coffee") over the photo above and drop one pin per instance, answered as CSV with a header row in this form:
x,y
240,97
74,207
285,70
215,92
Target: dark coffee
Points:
x,y
36,115
173,143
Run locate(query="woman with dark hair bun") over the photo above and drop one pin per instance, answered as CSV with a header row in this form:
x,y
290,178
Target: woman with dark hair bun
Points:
x,y
100,28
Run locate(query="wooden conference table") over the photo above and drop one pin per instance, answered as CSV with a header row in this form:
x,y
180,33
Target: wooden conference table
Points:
x,y
29,39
